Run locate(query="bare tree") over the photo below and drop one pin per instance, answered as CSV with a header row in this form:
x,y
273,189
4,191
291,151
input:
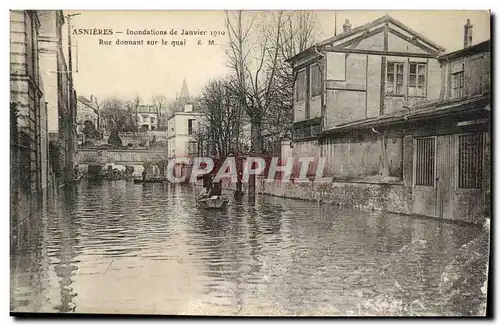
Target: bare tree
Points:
x,y
113,114
221,123
160,103
132,107
258,47
298,32
238,56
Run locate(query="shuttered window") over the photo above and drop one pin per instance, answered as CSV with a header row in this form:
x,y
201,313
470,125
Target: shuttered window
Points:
x,y
192,148
425,162
470,161
457,84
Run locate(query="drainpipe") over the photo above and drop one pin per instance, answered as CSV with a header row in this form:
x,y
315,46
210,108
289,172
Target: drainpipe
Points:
x,y
317,52
408,108
322,94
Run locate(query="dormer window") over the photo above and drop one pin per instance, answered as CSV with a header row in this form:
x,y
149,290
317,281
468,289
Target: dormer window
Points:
x,y
457,79
457,84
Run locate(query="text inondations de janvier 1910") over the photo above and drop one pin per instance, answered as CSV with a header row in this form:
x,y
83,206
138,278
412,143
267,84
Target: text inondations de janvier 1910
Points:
x,y
151,37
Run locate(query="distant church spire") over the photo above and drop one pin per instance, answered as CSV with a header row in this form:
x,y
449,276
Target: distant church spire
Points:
x,y
184,92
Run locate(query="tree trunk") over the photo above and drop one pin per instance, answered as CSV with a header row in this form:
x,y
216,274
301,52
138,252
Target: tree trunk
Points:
x,y
256,136
256,148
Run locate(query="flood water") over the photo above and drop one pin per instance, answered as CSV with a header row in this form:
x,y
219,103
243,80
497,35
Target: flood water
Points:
x,y
119,247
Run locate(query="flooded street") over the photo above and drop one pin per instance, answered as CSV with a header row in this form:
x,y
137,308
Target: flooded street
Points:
x,y
120,247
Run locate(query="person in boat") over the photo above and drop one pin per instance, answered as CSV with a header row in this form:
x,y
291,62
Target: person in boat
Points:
x,y
207,181
76,173
216,190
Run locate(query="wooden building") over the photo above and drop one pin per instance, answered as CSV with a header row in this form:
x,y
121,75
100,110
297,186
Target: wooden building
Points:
x,y
383,105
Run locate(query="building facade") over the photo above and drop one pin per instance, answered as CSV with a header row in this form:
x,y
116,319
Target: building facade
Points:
x,y
182,126
59,94
86,112
27,97
39,95
147,117
373,101
181,133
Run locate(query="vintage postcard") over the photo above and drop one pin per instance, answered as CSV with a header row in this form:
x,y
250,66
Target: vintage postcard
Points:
x,y
250,163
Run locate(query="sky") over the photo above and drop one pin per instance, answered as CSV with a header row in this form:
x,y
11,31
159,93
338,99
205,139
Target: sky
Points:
x,y
149,70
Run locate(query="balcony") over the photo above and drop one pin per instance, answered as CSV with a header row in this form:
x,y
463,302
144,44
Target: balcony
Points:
x,y
307,128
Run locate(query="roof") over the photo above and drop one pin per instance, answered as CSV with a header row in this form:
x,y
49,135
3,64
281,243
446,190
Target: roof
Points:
x,y
427,110
473,49
82,98
145,109
379,21
86,102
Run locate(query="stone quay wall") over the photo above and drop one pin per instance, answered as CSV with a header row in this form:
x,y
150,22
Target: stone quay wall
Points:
x,y
389,197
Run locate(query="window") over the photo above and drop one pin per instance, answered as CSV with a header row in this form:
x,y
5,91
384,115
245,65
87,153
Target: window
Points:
x,y
470,161
416,82
425,162
315,80
415,74
190,126
300,86
395,78
152,119
192,148
457,84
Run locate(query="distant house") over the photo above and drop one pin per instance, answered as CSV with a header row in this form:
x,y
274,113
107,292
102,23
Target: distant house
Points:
x,y
383,105
147,117
86,110
182,126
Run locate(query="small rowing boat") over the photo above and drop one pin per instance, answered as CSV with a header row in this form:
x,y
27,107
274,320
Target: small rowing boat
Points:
x,y
149,181
214,202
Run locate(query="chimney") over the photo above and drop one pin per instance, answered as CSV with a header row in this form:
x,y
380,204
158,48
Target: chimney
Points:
x,y
467,34
346,26
91,99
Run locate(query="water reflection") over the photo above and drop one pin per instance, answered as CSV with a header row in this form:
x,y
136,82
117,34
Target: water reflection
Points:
x,y
116,246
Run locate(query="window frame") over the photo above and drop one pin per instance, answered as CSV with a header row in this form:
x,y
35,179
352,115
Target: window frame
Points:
x,y
192,144
432,178
406,74
479,179
305,85
395,74
191,126
461,84
417,74
311,80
